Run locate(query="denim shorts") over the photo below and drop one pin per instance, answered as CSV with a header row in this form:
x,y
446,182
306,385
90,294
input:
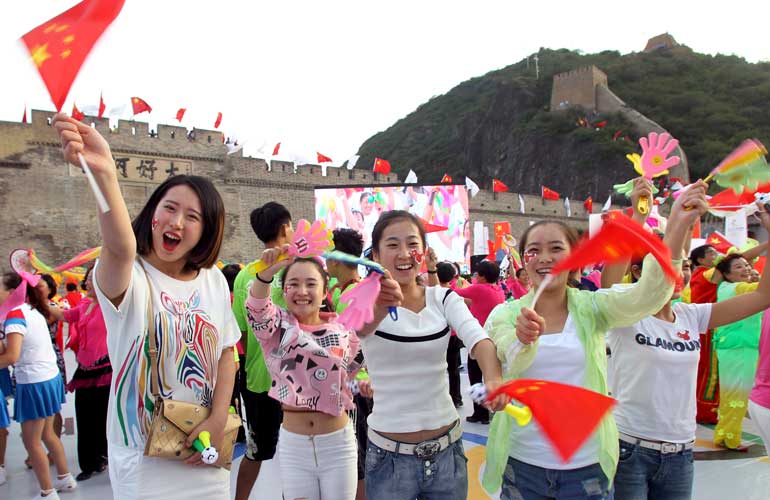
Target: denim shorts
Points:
x,y
644,473
394,476
529,482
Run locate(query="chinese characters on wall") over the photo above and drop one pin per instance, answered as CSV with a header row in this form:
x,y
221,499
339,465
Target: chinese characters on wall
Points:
x,y
145,169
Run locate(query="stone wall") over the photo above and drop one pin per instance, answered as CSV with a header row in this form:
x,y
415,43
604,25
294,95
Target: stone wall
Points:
x,y
577,88
46,204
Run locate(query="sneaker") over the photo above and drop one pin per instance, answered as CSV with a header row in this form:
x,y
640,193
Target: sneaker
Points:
x,y
51,496
3,477
66,483
84,476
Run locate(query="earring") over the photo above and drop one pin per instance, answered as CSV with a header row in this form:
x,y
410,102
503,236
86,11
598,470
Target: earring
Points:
x,y
154,224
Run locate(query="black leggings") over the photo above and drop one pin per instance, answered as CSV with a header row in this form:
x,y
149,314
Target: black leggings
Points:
x,y
91,415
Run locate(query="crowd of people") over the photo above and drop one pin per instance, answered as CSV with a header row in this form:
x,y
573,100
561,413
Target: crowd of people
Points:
x,y
269,339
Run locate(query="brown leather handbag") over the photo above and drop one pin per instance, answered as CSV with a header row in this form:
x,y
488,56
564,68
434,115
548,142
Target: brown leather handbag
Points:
x,y
173,421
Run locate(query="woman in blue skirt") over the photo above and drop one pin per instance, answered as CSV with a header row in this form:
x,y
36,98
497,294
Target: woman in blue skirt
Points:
x,y
26,345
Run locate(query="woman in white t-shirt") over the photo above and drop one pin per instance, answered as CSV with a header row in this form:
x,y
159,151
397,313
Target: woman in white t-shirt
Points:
x,y
25,343
165,256
415,447
652,372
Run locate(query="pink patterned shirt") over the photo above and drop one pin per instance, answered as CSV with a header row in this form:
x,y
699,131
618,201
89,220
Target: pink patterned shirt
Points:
x,y
310,365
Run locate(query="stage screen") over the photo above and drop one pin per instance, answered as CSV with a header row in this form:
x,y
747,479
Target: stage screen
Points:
x,y
444,205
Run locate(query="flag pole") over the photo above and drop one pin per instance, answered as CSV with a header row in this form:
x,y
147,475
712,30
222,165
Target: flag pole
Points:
x,y
100,199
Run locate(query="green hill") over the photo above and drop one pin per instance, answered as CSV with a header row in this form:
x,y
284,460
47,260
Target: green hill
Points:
x,y
498,125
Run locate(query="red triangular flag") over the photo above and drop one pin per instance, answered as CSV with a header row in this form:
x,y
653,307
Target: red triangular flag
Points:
x,y
102,106
76,113
549,194
276,149
323,158
589,205
491,248
24,118
501,229
696,229
218,120
446,179
719,242
381,166
60,46
619,239
140,105
180,114
498,186
566,414
430,227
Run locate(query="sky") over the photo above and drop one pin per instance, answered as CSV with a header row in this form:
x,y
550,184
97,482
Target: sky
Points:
x,y
323,76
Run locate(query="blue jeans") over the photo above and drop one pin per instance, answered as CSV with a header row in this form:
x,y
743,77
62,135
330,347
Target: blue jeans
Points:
x,y
529,482
644,473
393,476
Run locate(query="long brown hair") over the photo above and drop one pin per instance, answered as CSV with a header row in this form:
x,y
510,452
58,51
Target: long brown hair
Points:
x,y
35,297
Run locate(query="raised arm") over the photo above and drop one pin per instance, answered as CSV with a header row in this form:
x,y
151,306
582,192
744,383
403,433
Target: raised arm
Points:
x,y
113,274
744,305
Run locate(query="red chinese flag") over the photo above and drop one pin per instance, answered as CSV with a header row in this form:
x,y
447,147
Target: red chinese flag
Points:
x,y
381,166
76,113
218,120
323,158
24,118
729,198
276,149
180,114
589,205
446,179
140,105
501,229
600,124
102,106
430,227
566,414
620,238
696,229
491,257
60,46
719,242
549,194
498,186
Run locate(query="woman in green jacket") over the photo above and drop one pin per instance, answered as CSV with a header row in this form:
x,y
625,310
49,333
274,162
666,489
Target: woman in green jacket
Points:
x,y
563,340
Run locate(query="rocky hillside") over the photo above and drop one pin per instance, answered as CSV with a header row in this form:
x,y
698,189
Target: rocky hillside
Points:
x,y
498,125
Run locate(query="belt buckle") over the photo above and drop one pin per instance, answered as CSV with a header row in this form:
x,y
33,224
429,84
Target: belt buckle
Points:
x,y
427,449
668,448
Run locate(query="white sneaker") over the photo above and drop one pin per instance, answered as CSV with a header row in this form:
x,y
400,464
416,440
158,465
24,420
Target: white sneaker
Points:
x,y
67,483
3,477
51,496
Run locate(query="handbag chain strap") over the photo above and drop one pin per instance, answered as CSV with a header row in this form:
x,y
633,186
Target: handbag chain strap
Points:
x,y
154,387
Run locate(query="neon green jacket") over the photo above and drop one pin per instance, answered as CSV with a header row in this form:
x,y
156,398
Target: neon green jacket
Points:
x,y
593,313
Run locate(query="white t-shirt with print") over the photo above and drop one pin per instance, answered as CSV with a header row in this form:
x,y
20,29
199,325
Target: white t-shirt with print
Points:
x,y
37,360
194,323
653,372
560,357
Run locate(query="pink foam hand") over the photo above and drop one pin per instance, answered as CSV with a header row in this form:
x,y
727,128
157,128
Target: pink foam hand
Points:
x,y
360,300
19,295
311,240
656,149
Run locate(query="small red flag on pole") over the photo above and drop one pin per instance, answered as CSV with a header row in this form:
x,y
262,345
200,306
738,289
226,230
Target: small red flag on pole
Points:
x,y
381,166
446,179
219,120
498,186
76,113
323,158
24,118
180,114
102,106
549,194
139,105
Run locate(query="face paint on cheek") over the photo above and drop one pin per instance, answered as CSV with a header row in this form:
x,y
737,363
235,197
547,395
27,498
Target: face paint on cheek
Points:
x,y
417,256
154,224
528,256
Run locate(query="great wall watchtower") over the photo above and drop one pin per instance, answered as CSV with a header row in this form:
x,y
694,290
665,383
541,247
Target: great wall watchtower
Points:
x,y
577,88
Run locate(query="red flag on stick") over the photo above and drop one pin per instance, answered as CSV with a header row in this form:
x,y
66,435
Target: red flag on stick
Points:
x,y
60,46
381,166
24,118
491,257
323,158
140,105
566,414
719,242
180,114
102,106
219,120
501,229
430,227
446,179
76,113
549,194
589,205
276,149
498,186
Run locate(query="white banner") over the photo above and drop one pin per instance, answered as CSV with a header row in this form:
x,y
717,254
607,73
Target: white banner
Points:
x,y
479,239
736,228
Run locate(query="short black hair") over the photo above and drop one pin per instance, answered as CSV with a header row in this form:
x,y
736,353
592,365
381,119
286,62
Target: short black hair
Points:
x,y
725,264
267,220
71,287
231,272
445,272
519,271
488,270
51,285
698,253
349,241
206,252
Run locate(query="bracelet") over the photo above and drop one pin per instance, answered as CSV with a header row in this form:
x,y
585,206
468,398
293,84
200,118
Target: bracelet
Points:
x,y
432,272
266,282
